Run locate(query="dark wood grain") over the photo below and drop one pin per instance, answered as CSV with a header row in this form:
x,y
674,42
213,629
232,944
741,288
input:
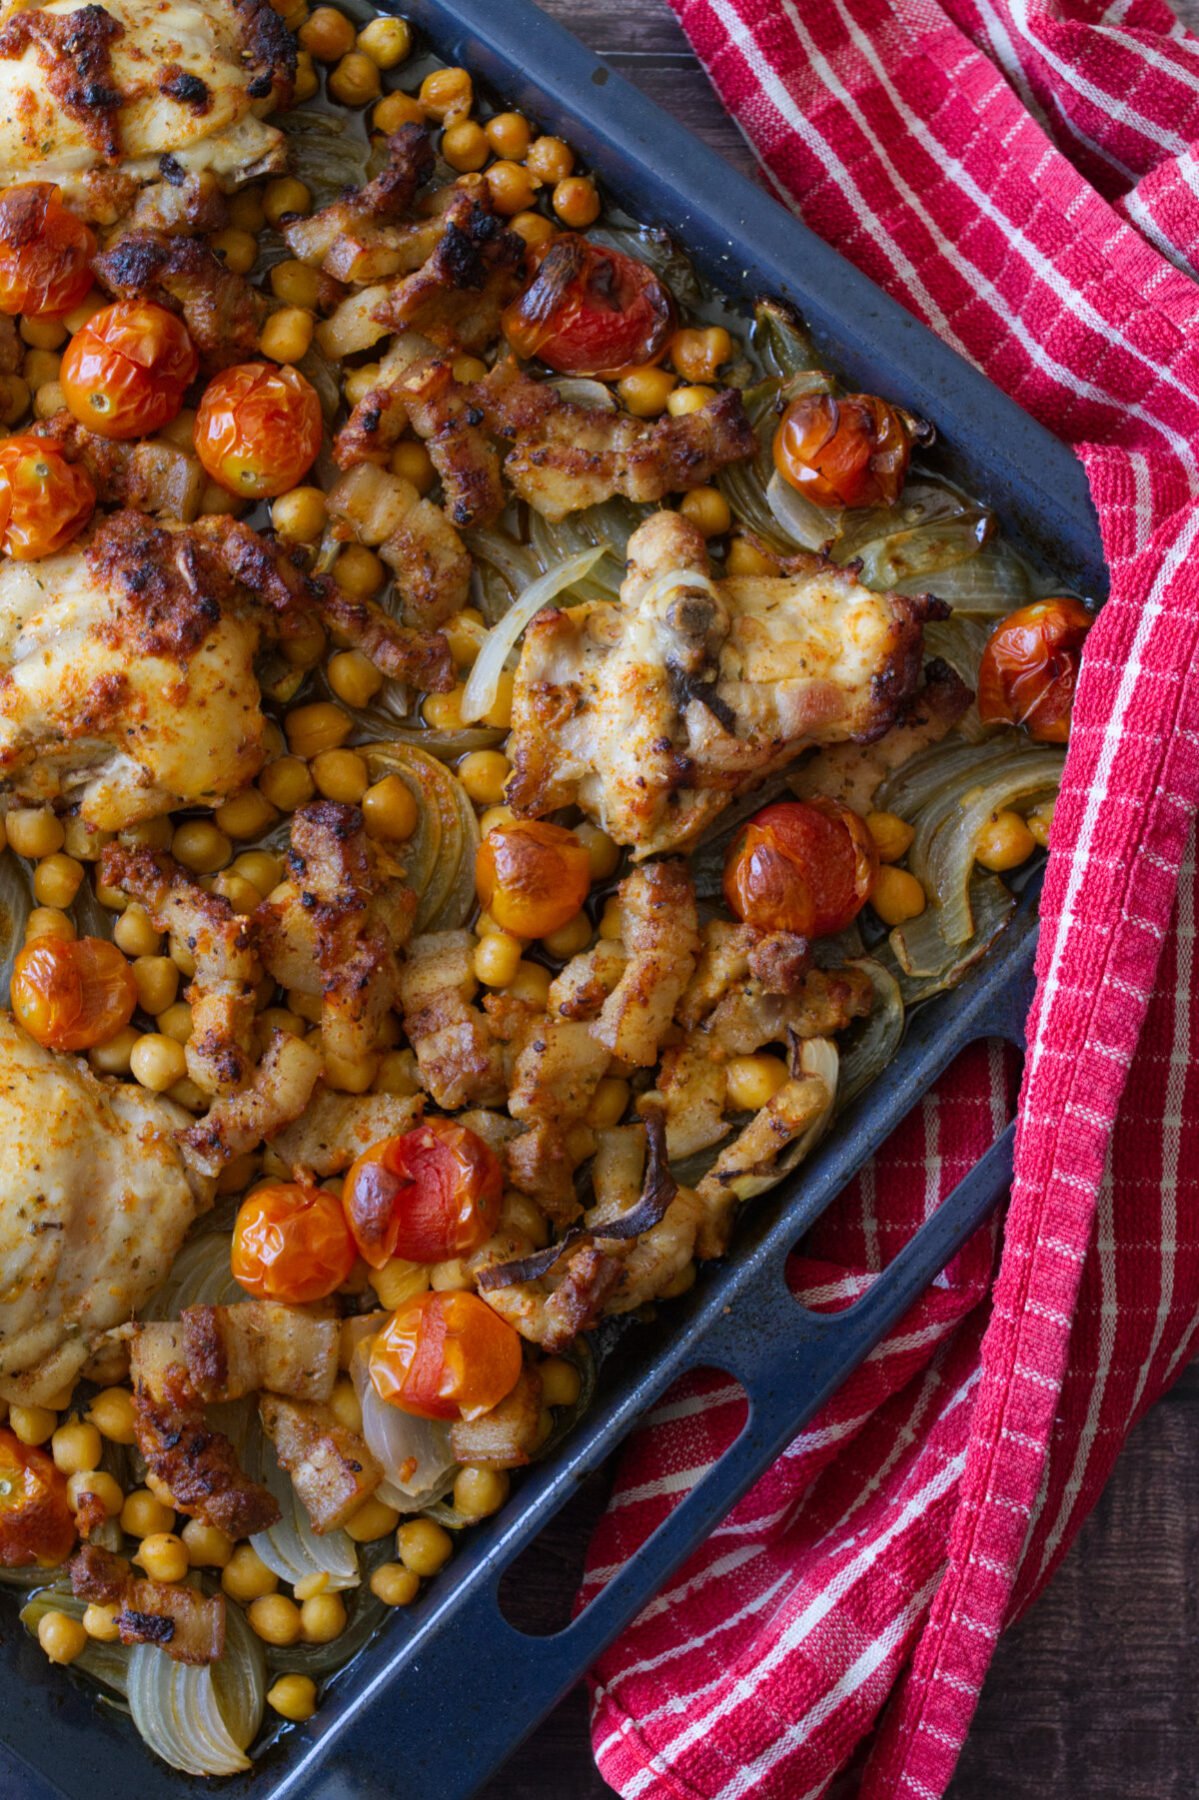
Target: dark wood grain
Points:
x,y
1092,1696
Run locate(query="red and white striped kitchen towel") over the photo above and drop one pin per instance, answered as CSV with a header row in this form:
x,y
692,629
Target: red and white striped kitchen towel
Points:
x,y
1024,176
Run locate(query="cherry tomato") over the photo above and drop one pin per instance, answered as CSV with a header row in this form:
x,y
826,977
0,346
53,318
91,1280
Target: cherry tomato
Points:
x,y
291,1243
531,877
806,866
72,994
429,1195
445,1356
45,251
124,373
851,451
590,311
258,429
36,1525
1029,668
44,500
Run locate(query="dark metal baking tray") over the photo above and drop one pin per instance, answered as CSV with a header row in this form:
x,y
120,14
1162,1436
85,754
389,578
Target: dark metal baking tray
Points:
x,y
449,1688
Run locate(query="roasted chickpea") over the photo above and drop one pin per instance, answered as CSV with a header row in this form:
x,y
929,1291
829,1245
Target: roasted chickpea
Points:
x,y
61,1637
157,1062
389,809
395,110
296,285
200,847
157,982
34,831
247,815
340,775
483,774
176,1021
550,159
32,1424
706,507
372,1521
1040,822
897,896
355,80
394,1585
511,187
246,1577
115,1056
286,783
645,391
603,854
444,711
275,1619
43,334
892,835
497,958
311,729
576,202
753,1081
345,1405
465,632
135,934
447,94
464,146
74,1446
423,1546
353,677
48,921
480,1491
287,334
293,1697
111,1412
246,211
531,982
568,939
238,250
697,352
208,1547
1004,842
359,572
609,1103
100,1622
56,880
326,34
322,1618
688,400
412,462
286,198
95,1484
388,42
533,227
745,558
560,1381
144,1514
163,1556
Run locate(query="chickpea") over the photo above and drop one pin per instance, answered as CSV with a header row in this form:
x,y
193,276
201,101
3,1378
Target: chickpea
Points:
x,y
163,1556
412,462
372,1521
40,367
447,94
395,110
349,1074
100,1622
389,809
688,400
576,202
237,1174
241,894
279,1018
483,774
43,334
560,1381
246,210
387,42
499,713
892,835
238,250
189,1094
469,368
156,834
1004,842
444,711
287,335
522,1215
160,1490
423,1546
464,632
311,729
293,1697
645,391
394,1585
353,677
74,1446
326,34
182,958
14,398
511,187
531,982
396,1074
570,938
897,896
245,1576
533,227
275,1619
707,508
200,847
344,1403
96,1484
359,382
157,982
286,198
355,80
56,880
697,351
247,815
208,1547
322,1618
145,1515
299,515
602,853
611,925
464,146
48,921
746,558
307,1006
307,80
83,840
216,499
135,933
1040,822
261,867
753,1081
115,1055
176,1021
496,959
286,783
480,1491
340,775
111,1412
609,1103
49,399
61,1637
157,1062
32,1424
34,831
296,285
359,572
550,159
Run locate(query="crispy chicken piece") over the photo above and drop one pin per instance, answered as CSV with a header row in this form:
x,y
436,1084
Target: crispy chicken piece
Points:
x,y
505,1437
151,475
551,1309
660,936
653,714
337,928
331,1467
197,1464
188,1625
279,1092
224,947
359,238
743,1166
459,1059
414,538
336,1128
558,1067
853,773
105,100
581,986
230,1351
222,312
95,1201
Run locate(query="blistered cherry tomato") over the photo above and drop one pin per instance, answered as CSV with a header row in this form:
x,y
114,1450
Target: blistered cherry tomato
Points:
x,y
258,429
71,994
1029,668
531,877
45,501
36,1525
590,311
45,251
291,1243
429,1195
806,866
847,451
124,373
445,1356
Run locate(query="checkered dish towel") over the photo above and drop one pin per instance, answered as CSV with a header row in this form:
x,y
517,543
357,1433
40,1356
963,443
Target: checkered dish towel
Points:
x,y
1023,176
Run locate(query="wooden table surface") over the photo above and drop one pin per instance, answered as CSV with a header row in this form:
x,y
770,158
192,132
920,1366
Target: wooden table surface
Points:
x,y
1094,1695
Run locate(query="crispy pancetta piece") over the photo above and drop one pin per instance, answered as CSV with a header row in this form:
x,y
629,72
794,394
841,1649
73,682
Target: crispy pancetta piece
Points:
x,y
507,1436
278,1092
188,1625
359,238
234,1350
412,536
151,475
222,312
331,1468
459,1059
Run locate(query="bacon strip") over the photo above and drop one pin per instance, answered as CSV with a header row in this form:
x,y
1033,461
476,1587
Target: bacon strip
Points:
x,y
188,1625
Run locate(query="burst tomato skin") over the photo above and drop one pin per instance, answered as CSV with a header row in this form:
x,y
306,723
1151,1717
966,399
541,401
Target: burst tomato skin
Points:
x,y
258,429
36,1525
45,501
1029,668
291,1243
531,876
45,251
70,995
429,1195
124,373
848,451
590,311
445,1356
806,866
